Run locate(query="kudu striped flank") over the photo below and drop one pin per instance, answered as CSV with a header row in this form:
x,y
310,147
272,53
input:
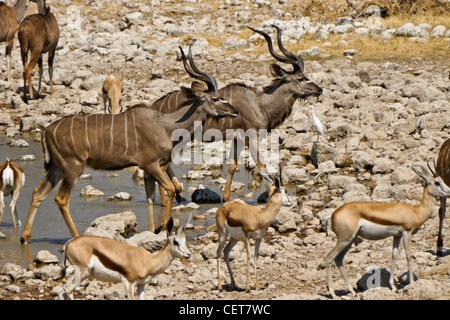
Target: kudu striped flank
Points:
x,y
10,18
139,137
443,170
38,34
258,109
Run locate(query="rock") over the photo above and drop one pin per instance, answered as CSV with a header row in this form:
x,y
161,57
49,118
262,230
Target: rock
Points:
x,y
14,271
285,221
45,257
379,293
438,31
121,196
362,160
49,272
90,192
374,278
205,195
407,30
149,240
18,143
115,226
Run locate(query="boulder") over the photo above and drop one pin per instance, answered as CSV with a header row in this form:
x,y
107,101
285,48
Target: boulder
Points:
x,y
205,195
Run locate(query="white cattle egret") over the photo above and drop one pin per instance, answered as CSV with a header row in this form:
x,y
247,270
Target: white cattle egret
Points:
x,y
317,124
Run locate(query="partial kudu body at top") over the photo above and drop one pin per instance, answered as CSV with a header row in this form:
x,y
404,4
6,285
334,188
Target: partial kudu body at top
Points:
x,y
112,94
139,137
257,109
9,22
443,171
38,34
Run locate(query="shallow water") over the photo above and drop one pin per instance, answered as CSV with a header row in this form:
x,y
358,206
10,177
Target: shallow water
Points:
x,y
49,230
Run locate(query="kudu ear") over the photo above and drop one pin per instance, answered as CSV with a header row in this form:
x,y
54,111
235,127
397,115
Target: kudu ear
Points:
x,y
277,71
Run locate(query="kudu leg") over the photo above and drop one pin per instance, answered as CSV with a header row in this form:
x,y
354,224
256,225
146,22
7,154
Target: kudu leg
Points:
x,y
27,75
41,71
440,240
39,194
158,175
237,147
51,57
255,152
176,184
62,200
150,194
9,47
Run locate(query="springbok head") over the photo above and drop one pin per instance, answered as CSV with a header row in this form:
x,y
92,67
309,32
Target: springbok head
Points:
x,y
433,181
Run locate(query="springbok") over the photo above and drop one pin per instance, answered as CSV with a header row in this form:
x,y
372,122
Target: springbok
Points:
x,y
139,137
9,22
443,170
12,179
244,222
376,221
258,109
112,93
110,260
38,34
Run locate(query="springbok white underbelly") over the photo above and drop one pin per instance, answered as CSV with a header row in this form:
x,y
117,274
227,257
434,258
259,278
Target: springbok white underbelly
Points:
x,y
102,273
238,234
374,231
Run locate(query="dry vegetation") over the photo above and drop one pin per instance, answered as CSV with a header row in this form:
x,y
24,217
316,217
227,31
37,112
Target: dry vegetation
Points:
x,y
395,14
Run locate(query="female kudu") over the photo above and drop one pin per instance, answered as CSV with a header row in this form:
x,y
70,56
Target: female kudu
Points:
x,y
38,34
9,22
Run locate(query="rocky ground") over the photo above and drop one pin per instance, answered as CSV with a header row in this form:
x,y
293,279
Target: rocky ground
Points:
x,y
380,118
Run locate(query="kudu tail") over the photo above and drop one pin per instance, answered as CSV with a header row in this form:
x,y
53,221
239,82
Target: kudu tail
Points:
x,y
22,34
46,152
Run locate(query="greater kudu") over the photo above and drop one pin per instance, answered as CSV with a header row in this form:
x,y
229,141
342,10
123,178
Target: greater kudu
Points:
x,y
258,109
443,170
9,22
139,137
38,34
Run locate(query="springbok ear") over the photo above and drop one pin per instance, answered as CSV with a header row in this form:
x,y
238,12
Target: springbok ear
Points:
x,y
423,174
277,183
181,230
277,71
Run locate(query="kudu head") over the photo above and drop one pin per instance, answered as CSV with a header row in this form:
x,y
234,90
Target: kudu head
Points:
x,y
211,102
300,85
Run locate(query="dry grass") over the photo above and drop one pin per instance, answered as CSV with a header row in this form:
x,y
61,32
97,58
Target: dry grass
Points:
x,y
326,11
